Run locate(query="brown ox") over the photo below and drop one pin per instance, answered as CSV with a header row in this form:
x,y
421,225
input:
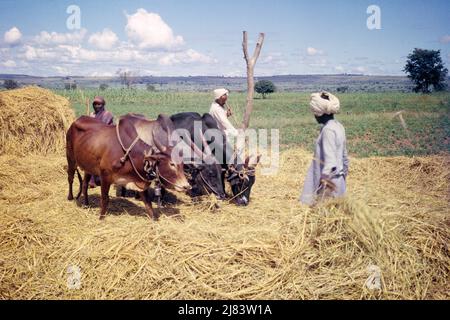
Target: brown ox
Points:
x,y
130,154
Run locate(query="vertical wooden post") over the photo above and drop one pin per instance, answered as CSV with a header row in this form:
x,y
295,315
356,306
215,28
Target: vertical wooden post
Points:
x,y
251,61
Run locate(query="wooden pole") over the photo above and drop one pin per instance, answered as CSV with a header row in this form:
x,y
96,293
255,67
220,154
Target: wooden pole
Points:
x,y
251,62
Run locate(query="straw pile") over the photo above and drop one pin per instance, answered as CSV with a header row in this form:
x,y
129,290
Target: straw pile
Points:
x,y
33,120
395,218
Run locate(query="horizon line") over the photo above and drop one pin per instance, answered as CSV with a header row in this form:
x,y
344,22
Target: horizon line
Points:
x,y
204,76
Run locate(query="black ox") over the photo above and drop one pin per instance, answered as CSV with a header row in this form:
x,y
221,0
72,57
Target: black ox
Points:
x,y
209,176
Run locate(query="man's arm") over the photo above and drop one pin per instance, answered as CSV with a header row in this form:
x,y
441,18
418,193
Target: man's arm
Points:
x,y
221,116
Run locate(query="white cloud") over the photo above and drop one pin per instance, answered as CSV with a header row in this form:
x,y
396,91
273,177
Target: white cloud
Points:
x,y
12,36
101,74
189,56
61,70
104,40
339,69
46,38
9,64
267,59
149,31
313,51
359,70
32,53
445,39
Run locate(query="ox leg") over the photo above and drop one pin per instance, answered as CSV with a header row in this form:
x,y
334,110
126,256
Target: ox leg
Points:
x,y
70,176
71,169
148,205
86,179
105,186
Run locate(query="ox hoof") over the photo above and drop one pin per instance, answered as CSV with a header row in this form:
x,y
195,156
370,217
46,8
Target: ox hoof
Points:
x,y
102,217
70,198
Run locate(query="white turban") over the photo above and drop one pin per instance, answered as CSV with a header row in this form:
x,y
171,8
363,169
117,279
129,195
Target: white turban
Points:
x,y
321,106
220,92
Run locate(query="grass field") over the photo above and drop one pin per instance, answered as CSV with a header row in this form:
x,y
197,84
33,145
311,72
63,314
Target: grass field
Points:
x,y
369,118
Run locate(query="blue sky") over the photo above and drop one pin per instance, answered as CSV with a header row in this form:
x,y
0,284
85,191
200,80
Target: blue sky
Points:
x,y
200,37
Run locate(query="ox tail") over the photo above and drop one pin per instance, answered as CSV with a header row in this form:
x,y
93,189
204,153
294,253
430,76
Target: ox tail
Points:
x,y
80,180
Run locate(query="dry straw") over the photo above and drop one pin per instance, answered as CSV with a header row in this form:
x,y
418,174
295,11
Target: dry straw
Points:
x,y
395,218
33,120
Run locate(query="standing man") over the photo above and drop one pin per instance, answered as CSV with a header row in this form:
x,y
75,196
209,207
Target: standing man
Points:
x,y
100,112
329,169
105,116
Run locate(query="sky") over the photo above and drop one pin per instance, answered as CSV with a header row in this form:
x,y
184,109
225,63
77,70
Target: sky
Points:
x,y
204,37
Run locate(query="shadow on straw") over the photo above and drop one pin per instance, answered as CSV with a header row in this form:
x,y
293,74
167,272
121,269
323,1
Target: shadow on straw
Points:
x,y
121,206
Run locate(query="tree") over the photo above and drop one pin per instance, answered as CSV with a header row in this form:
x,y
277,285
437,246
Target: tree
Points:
x,y
250,61
127,77
10,84
265,87
425,68
103,86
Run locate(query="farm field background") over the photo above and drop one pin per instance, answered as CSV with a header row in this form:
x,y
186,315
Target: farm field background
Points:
x,y
373,129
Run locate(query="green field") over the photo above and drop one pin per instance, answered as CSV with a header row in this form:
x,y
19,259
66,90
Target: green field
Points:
x,y
372,128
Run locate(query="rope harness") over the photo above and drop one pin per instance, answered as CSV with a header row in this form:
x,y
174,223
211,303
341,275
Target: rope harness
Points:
x,y
243,174
151,170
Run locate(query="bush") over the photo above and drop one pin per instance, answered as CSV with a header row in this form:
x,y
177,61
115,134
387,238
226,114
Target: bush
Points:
x,y
103,87
342,89
10,84
150,87
265,87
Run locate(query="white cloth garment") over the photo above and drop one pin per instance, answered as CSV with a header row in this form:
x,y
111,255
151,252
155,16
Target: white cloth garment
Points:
x,y
330,159
220,115
320,106
220,92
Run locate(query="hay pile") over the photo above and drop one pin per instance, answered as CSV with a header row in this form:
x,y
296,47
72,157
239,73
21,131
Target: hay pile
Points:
x,y
396,217
33,120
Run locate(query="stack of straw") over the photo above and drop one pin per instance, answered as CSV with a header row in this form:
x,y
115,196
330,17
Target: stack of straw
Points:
x,y
33,120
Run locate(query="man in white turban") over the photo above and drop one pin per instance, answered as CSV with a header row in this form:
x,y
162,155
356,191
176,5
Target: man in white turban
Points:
x,y
219,112
328,172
